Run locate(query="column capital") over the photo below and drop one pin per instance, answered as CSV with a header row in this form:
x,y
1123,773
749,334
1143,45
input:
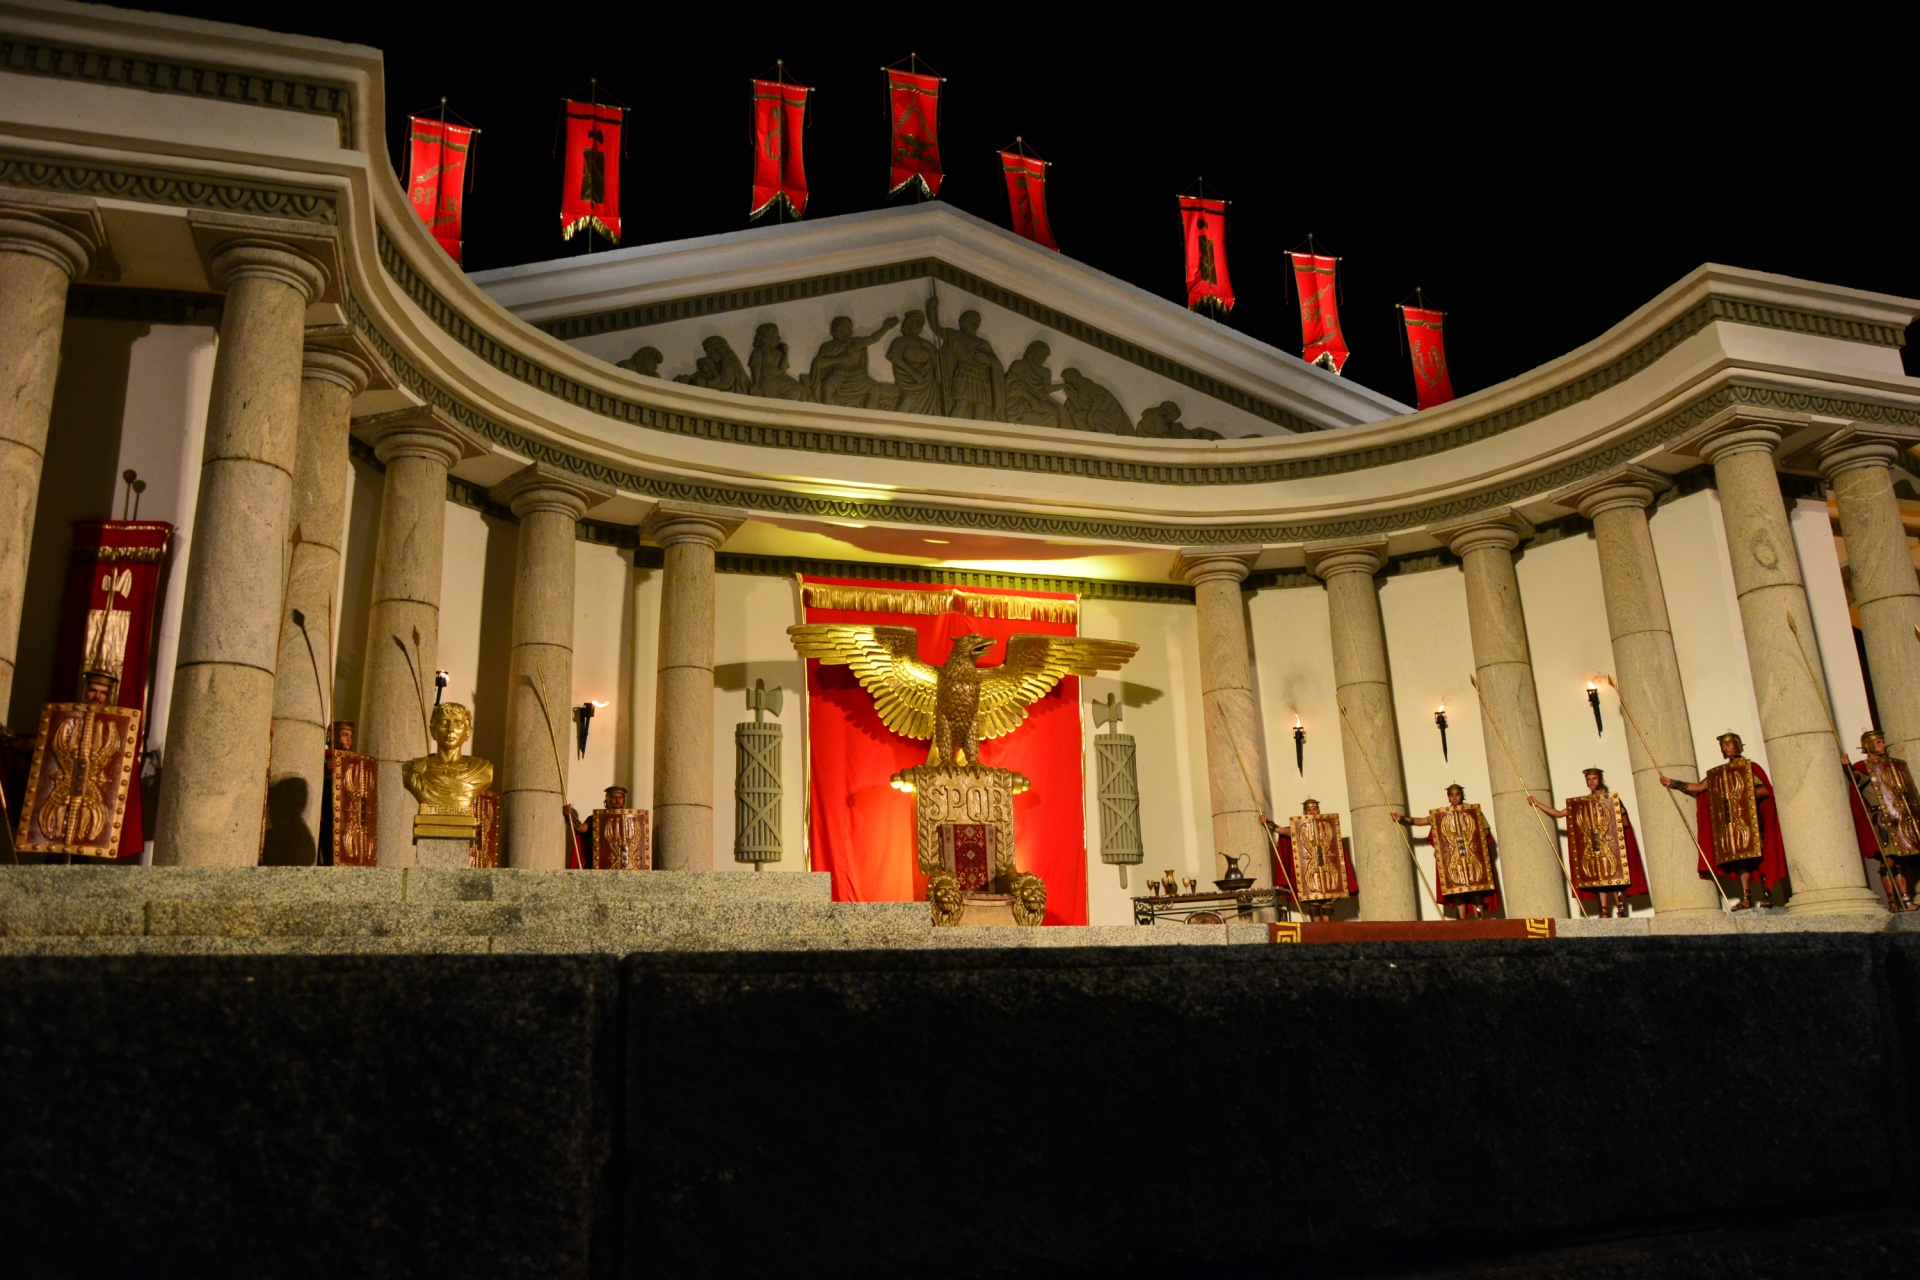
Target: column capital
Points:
x,y
1195,565
304,256
335,353
1741,429
1502,529
1326,560
673,522
1628,486
421,432
62,229
1859,445
539,487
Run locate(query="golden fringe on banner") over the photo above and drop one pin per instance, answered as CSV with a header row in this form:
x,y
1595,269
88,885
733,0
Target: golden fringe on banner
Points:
x,y
880,600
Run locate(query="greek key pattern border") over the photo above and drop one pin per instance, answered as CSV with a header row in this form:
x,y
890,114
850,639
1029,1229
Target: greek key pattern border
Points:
x,y
150,187
190,79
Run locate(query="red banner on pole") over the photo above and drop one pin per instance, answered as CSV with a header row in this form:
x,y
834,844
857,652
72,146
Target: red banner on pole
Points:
x,y
915,103
1208,288
1027,194
1428,346
1321,341
437,182
779,169
590,194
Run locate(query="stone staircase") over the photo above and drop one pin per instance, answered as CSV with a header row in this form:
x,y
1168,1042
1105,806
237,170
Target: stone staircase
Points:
x,y
50,910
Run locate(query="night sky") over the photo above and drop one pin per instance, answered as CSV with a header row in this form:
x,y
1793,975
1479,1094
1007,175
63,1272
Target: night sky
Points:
x,y
1539,181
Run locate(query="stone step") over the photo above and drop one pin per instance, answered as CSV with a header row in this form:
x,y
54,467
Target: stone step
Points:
x,y
406,884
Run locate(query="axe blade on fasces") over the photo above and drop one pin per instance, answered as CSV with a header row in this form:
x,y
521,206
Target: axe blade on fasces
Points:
x,y
775,699
1105,711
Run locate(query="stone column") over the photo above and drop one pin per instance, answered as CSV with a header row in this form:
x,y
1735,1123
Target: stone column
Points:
x,y
417,447
1648,675
1816,821
1531,880
1858,462
683,764
330,378
1236,771
548,504
1369,732
213,775
46,242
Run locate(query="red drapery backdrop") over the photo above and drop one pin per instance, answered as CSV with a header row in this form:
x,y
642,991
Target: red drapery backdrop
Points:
x,y
438,177
1205,224
1429,349
779,165
859,828
914,101
590,191
1321,341
1027,196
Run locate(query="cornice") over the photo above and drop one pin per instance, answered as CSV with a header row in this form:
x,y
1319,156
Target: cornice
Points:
x,y
60,61
151,306
153,186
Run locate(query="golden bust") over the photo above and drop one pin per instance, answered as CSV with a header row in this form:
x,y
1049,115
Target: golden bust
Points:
x,y
446,782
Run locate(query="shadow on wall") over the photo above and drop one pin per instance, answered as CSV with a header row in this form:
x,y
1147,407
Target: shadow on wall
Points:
x,y
489,692
78,481
289,842
356,590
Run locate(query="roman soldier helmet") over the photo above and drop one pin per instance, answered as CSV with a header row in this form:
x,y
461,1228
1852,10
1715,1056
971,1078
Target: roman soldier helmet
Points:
x,y
1593,768
1454,786
1736,738
1309,800
1869,736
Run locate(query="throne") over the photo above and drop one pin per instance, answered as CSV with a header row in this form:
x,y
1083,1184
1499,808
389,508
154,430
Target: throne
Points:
x,y
963,821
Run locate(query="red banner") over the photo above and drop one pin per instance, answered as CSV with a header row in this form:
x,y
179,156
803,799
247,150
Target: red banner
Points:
x,y
1027,194
915,102
437,183
114,582
590,191
1208,288
779,169
1429,349
862,830
1321,341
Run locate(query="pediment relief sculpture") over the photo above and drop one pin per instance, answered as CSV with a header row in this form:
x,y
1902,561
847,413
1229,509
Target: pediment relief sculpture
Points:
x,y
938,371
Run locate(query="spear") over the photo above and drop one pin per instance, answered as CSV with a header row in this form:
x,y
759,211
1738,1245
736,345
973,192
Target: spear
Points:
x,y
422,702
559,771
1632,720
1253,794
1379,786
1819,691
1553,836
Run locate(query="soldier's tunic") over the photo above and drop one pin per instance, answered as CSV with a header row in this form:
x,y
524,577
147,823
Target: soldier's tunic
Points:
x,y
1894,802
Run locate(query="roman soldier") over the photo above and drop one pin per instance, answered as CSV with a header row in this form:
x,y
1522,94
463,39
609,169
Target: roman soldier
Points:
x,y
1311,862
1893,803
1739,829
1463,853
1603,856
614,837
349,823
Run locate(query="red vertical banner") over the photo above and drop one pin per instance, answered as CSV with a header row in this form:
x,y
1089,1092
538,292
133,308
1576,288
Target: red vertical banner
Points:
x,y
437,181
1205,222
590,187
1321,341
779,167
1027,196
914,103
115,577
1427,344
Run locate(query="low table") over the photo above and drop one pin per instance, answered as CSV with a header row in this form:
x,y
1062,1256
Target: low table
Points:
x,y
1240,906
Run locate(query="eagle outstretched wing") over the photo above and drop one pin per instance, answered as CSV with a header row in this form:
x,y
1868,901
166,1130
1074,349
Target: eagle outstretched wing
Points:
x,y
886,662
1033,665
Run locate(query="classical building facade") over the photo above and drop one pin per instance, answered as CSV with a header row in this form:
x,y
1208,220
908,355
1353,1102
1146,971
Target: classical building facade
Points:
x,y
594,480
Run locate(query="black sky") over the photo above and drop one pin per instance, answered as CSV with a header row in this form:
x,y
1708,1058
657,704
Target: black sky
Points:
x,y
1539,176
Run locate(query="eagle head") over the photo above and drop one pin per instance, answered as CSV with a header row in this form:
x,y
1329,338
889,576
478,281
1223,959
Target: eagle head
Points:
x,y
971,647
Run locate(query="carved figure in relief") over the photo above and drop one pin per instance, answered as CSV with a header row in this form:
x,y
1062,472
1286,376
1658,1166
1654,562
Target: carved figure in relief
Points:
x,y
1162,422
916,369
645,361
976,382
719,369
768,364
1091,407
839,374
1030,387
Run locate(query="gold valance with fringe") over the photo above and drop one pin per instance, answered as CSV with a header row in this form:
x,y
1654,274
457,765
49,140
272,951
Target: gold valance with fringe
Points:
x,y
940,600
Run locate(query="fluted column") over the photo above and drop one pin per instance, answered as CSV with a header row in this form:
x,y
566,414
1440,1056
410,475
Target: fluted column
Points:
x,y
1802,757
213,775
1648,675
1858,463
1369,732
1236,773
417,447
1530,875
549,504
46,242
688,535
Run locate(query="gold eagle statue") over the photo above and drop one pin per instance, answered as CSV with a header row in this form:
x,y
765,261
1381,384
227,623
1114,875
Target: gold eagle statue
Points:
x,y
960,703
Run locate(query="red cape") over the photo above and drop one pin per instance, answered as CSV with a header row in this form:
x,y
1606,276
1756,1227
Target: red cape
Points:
x,y
1773,855
1862,825
1283,864
1635,867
